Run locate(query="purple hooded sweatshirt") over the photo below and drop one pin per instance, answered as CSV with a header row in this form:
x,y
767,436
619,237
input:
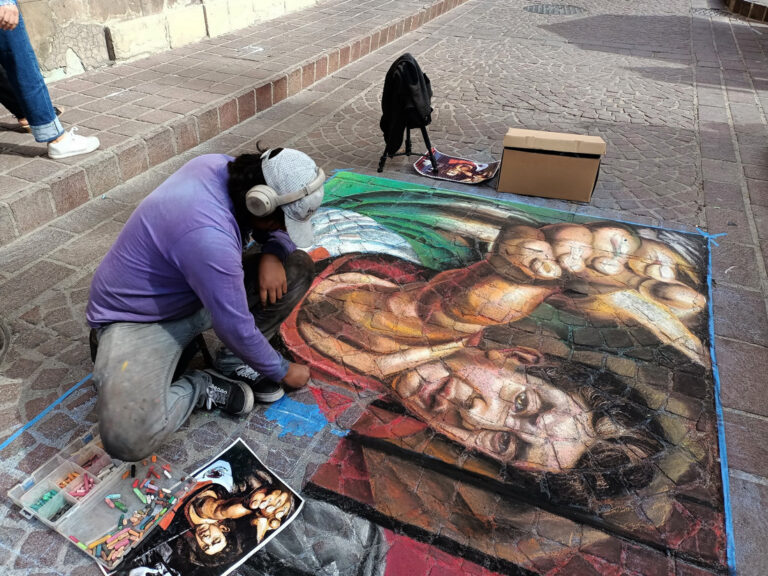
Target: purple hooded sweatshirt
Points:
x,y
181,250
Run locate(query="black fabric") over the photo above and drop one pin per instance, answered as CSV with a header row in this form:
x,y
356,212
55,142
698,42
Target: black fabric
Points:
x,y
8,96
406,101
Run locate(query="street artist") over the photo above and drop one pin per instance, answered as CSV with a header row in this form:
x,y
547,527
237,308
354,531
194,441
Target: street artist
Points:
x,y
177,269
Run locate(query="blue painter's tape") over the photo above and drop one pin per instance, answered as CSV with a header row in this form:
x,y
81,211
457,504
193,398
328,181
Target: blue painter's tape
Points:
x,y
711,237
34,420
730,542
296,418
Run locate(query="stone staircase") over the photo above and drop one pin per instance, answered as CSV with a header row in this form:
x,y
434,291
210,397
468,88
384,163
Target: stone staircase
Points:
x,y
149,110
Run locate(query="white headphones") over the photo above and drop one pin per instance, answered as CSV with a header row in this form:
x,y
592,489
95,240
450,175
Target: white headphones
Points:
x,y
262,200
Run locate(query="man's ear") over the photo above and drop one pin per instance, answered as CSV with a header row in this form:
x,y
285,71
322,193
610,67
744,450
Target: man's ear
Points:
x,y
223,527
520,355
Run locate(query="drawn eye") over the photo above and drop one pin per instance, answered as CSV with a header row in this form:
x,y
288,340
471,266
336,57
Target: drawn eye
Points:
x,y
500,443
521,402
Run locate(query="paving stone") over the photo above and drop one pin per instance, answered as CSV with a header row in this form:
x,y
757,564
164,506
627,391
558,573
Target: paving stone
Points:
x,y
38,550
739,363
736,264
723,195
740,315
731,222
746,498
69,190
758,191
49,379
89,247
34,171
132,159
160,146
31,248
103,174
35,280
743,452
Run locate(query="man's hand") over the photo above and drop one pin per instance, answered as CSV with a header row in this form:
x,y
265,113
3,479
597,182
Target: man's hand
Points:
x,y
297,376
9,16
272,281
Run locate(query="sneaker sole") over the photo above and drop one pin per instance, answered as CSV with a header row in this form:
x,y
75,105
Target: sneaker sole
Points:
x,y
267,397
70,154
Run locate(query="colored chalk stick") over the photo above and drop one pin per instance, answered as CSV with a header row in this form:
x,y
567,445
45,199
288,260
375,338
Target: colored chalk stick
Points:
x,y
140,495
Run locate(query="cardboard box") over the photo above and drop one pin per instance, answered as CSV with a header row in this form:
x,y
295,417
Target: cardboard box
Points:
x,y
550,164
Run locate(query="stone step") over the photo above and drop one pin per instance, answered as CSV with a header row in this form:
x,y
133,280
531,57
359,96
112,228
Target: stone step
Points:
x,y
752,9
152,109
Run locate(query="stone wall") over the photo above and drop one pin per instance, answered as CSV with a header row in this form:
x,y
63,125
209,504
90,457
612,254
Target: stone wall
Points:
x,y
70,36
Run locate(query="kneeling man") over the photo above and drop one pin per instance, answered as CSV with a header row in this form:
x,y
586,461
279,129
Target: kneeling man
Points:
x,y
177,269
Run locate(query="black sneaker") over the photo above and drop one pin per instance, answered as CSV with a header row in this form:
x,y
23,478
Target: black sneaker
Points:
x,y
264,390
228,395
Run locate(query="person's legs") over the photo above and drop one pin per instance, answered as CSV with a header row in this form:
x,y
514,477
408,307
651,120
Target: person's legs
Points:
x,y
23,72
20,64
140,404
299,272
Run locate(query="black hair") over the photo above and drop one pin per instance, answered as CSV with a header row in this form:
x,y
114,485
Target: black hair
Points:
x,y
245,173
188,548
630,438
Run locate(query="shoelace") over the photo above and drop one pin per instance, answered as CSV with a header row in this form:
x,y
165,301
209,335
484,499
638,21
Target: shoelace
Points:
x,y
215,396
246,371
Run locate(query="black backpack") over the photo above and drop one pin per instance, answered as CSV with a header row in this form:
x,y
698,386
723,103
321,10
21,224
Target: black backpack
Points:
x,y
406,101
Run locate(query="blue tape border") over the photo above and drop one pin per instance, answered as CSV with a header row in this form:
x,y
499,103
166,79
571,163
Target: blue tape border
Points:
x,y
37,418
729,537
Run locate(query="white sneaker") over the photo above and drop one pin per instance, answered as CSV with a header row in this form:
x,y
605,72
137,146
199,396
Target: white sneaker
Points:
x,y
72,144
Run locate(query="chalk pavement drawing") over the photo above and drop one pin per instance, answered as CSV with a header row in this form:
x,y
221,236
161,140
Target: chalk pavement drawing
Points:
x,y
541,385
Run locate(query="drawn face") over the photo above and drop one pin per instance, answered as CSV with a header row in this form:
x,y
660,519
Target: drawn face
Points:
x,y
494,407
460,169
211,538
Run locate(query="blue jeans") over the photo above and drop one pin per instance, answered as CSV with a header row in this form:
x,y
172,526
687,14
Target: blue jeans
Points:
x,y
20,64
141,399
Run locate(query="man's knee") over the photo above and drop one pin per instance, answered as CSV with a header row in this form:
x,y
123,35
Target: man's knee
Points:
x,y
124,444
128,423
299,272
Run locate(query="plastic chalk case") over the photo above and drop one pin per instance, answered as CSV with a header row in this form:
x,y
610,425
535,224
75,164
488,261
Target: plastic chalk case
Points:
x,y
96,502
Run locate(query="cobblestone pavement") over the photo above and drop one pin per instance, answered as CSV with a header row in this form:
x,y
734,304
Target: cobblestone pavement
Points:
x,y
677,90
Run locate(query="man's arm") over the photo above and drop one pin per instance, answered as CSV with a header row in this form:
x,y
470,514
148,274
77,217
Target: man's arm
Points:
x,y
211,262
278,243
276,246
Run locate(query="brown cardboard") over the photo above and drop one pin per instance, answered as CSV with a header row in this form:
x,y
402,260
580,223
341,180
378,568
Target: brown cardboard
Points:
x,y
550,164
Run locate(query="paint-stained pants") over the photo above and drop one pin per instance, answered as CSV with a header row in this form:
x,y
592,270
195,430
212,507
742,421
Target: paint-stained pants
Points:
x,y
140,404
